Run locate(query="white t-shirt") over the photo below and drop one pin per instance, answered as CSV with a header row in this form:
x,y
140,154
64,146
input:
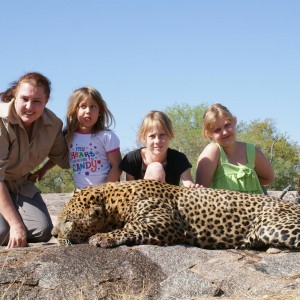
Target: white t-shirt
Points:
x,y
88,157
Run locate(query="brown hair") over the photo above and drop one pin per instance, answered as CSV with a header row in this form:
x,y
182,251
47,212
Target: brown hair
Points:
x,y
105,120
154,118
210,116
9,94
33,78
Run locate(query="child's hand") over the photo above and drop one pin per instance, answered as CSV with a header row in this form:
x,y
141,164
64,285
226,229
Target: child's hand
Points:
x,y
193,185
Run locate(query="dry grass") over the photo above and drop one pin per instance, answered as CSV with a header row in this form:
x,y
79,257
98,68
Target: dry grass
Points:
x,y
114,292
128,295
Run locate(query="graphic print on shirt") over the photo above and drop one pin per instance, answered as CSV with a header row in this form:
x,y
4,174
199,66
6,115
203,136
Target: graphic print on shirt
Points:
x,y
88,156
85,159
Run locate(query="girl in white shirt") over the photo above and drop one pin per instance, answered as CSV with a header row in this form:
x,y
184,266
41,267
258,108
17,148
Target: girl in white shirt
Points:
x,y
94,150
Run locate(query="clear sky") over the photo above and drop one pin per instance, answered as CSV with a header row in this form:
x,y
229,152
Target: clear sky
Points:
x,y
152,54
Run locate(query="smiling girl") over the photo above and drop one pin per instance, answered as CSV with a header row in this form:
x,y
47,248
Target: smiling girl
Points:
x,y
226,163
156,160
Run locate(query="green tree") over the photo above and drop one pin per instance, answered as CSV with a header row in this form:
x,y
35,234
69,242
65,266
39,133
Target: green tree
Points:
x,y
187,124
282,153
57,180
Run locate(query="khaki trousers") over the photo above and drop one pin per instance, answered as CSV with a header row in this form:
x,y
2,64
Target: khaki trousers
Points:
x,y
35,216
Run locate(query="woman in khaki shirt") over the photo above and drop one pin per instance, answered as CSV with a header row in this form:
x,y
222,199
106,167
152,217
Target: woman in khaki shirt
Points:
x,y
29,133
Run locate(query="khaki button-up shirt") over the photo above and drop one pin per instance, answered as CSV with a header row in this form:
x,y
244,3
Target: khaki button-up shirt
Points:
x,y
19,155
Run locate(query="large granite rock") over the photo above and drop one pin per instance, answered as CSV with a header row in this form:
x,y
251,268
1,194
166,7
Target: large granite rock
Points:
x,y
147,272
50,271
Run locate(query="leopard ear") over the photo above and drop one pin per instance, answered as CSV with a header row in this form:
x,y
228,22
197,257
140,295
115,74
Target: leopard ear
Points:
x,y
96,211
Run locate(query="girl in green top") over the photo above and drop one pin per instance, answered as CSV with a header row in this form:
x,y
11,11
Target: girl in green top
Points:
x,y
226,163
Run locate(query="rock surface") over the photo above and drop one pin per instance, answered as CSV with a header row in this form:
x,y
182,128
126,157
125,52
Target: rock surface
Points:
x,y
50,271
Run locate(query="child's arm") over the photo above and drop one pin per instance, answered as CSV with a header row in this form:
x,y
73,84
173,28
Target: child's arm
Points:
x,y
115,172
40,173
187,180
129,177
263,168
207,165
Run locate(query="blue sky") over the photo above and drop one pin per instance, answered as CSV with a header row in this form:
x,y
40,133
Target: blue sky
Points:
x,y
143,55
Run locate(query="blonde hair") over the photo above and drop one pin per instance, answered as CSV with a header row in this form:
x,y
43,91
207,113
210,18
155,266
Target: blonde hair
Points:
x,y
210,117
105,119
152,119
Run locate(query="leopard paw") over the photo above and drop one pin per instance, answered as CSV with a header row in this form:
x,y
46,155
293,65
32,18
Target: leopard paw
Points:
x,y
101,242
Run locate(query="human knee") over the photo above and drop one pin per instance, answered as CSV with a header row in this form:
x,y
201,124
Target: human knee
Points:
x,y
4,231
155,171
4,237
37,219
46,235
40,234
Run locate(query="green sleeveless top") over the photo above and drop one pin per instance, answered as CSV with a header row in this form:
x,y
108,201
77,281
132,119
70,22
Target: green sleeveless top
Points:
x,y
237,178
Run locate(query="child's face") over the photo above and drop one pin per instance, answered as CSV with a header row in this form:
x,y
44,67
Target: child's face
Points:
x,y
224,131
157,140
87,115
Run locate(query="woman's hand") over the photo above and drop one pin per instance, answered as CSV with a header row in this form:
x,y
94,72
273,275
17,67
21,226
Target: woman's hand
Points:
x,y
17,233
37,176
17,236
40,173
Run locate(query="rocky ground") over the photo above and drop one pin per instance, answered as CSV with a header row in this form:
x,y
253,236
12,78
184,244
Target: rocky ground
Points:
x,y
50,271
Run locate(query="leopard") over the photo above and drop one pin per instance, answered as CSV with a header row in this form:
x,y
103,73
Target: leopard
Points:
x,y
151,212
